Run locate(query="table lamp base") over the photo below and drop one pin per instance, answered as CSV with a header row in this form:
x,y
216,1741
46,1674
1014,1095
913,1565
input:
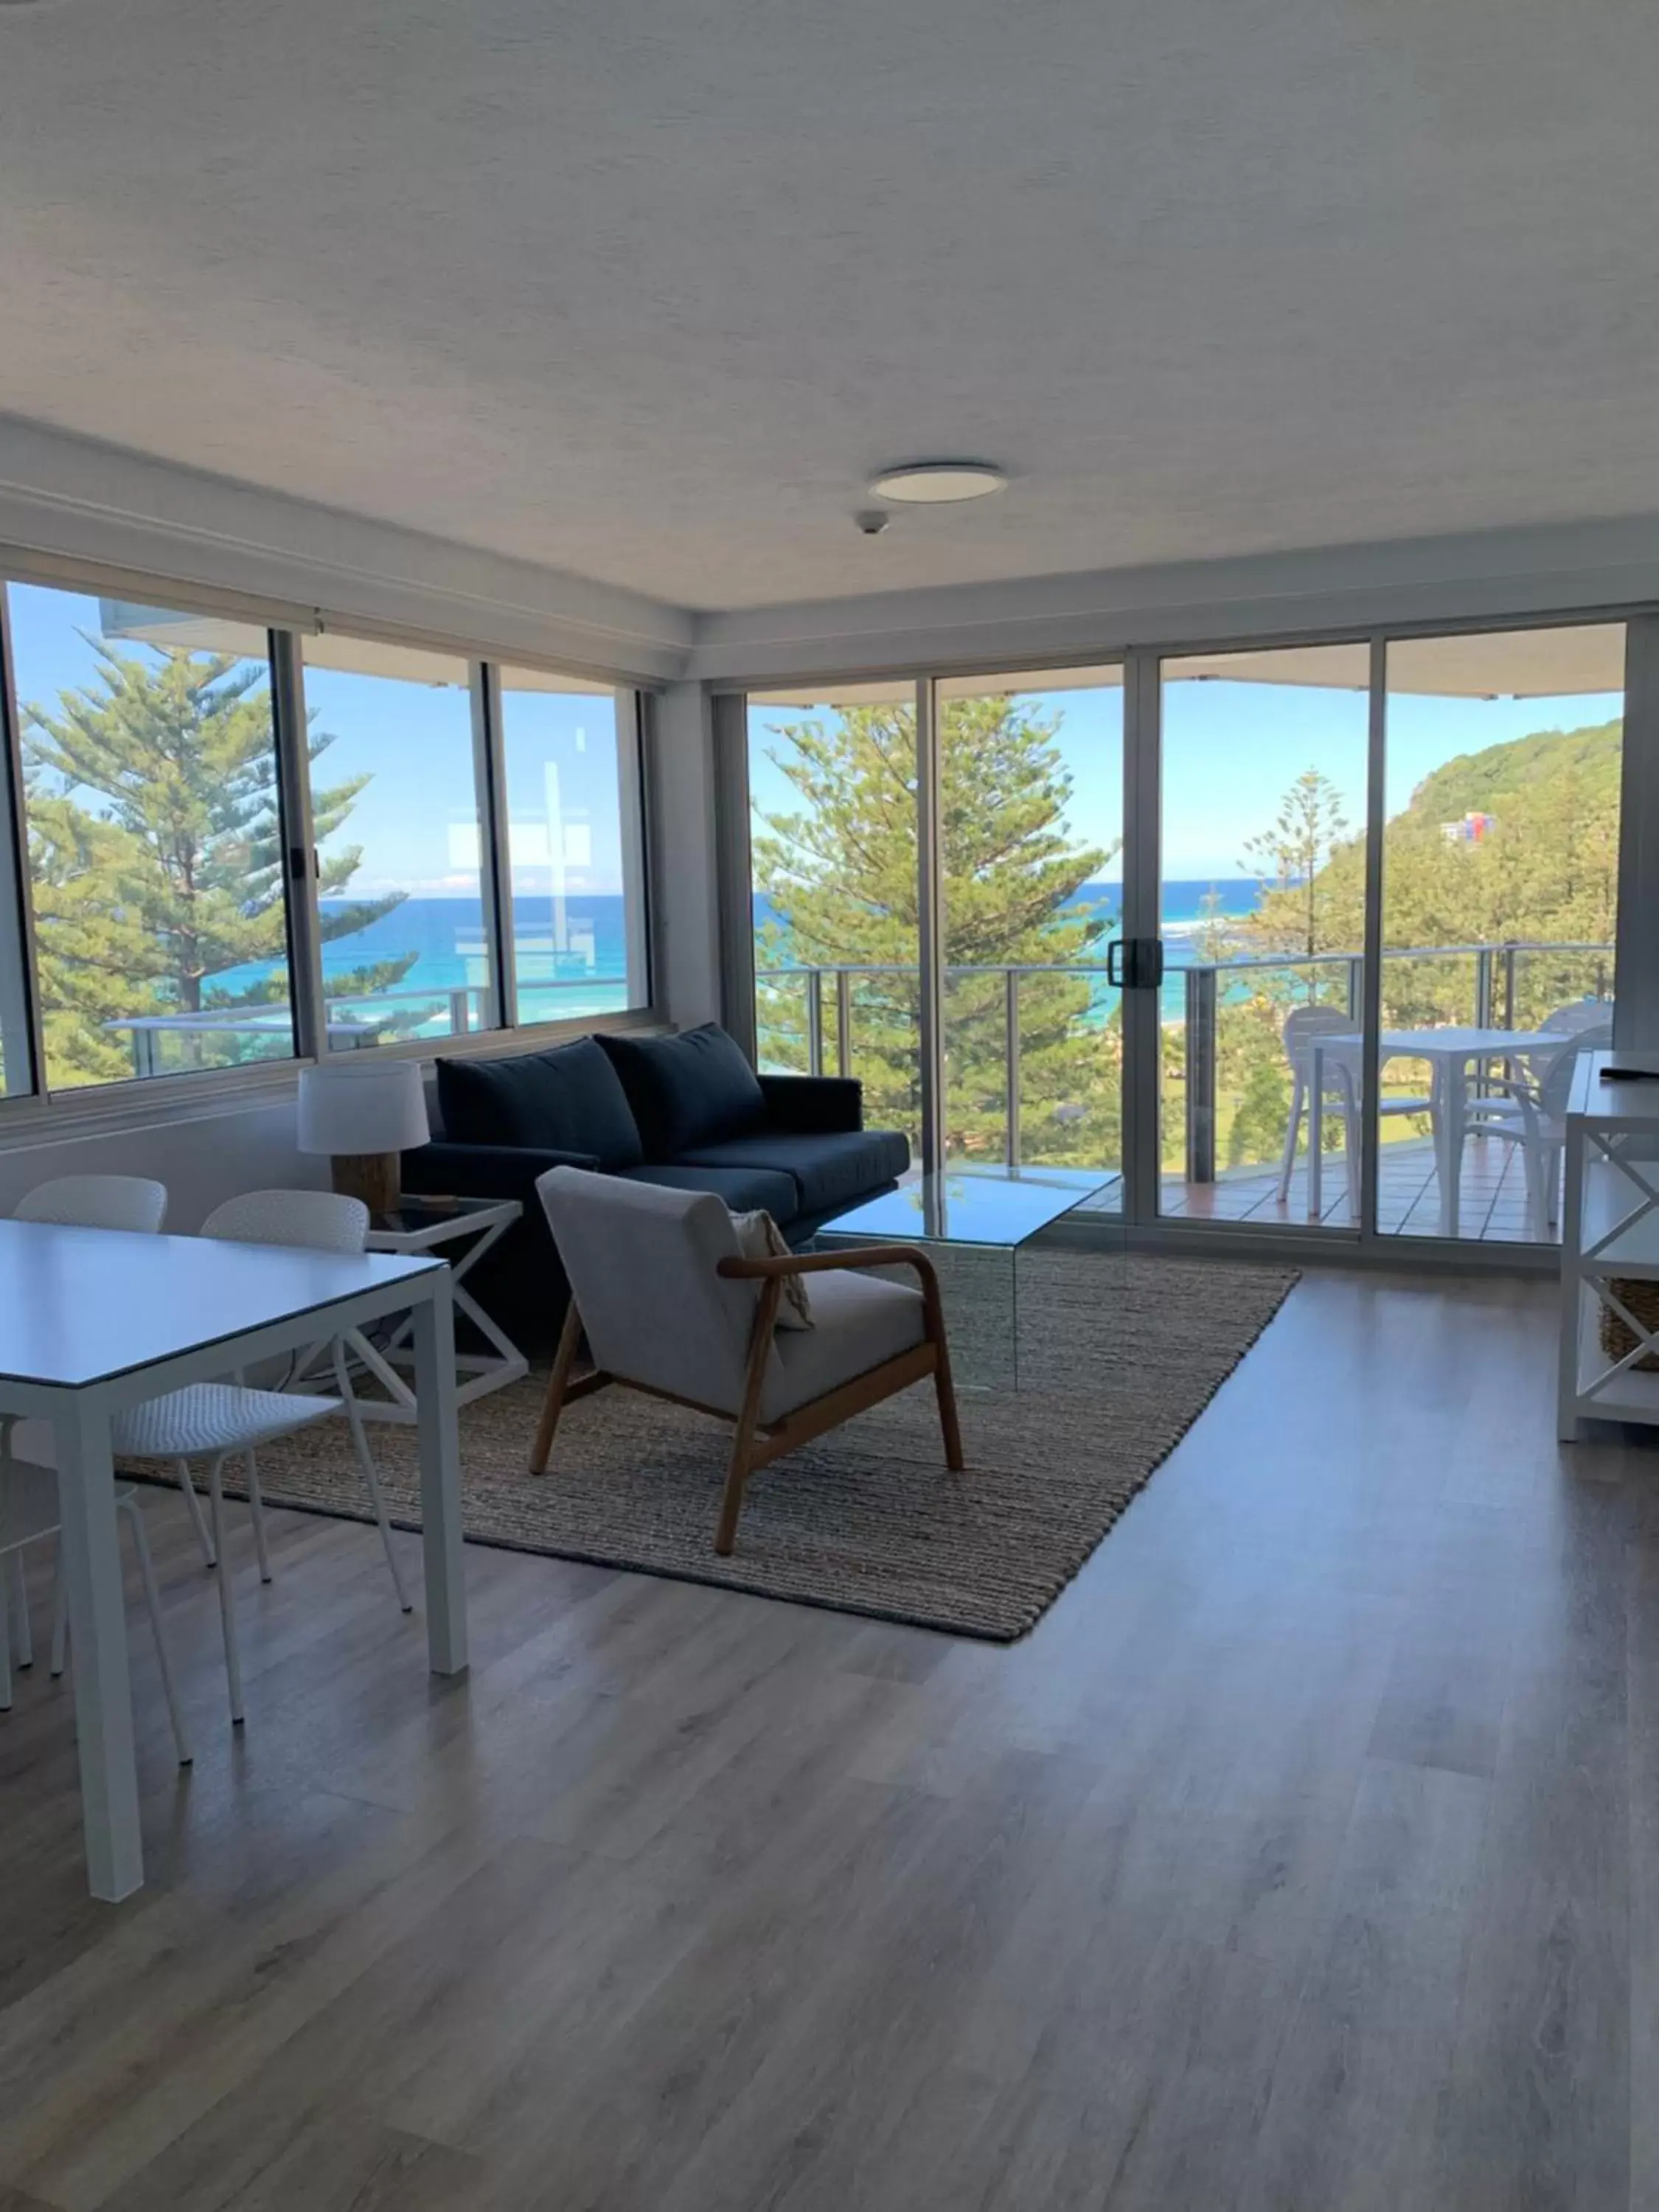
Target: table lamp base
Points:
x,y
373,1176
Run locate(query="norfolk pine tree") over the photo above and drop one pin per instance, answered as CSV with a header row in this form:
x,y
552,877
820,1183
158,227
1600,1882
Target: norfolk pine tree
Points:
x,y
839,873
155,852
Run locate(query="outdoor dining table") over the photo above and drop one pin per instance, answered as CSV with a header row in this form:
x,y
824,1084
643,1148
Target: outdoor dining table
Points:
x,y
92,1321
1452,1055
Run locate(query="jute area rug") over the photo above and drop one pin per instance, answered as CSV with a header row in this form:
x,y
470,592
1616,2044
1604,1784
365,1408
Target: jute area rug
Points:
x,y
1118,1356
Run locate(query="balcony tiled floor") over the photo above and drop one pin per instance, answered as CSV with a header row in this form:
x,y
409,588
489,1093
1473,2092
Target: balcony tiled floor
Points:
x,y
1491,1194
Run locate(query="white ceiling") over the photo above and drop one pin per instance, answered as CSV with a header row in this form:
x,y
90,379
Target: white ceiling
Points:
x,y
644,292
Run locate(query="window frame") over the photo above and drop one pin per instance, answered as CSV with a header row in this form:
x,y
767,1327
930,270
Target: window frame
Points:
x,y
113,1101
136,1100
628,705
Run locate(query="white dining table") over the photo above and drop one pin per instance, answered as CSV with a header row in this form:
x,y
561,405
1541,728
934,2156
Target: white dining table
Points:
x,y
1452,1055
95,1320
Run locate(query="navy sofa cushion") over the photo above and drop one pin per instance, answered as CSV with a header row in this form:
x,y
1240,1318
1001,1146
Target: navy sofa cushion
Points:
x,y
685,1090
743,1189
828,1168
569,1098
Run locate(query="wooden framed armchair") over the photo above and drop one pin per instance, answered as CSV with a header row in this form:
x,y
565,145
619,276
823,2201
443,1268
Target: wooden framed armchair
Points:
x,y
671,1306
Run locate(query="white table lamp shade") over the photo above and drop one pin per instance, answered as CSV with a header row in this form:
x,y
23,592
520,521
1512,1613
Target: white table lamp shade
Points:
x,y
369,1106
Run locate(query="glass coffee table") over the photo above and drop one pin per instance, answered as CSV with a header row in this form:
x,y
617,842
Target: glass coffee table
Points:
x,y
975,1224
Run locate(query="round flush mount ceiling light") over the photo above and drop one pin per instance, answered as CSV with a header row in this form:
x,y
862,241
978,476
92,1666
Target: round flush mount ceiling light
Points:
x,y
934,483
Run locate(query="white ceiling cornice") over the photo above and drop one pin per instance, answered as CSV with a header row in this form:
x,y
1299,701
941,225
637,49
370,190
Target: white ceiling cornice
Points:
x,y
1482,575
74,498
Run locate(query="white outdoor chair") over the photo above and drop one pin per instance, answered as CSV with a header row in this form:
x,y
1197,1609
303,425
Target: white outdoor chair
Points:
x,y
672,1307
1530,1110
1342,1077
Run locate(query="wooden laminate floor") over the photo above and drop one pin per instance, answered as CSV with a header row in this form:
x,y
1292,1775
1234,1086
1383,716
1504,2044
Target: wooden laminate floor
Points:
x,y
1306,1855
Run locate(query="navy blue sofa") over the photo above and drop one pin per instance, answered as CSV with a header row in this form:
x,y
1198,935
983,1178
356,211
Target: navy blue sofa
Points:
x,y
687,1111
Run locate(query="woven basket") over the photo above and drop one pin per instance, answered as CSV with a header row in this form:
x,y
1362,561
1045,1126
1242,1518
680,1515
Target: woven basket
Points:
x,y
1641,1300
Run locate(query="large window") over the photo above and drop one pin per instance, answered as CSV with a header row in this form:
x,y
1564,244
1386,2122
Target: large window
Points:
x,y
229,841
577,911
395,812
154,839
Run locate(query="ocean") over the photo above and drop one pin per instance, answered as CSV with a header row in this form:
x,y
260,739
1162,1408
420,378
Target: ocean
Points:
x,y
589,974
1182,916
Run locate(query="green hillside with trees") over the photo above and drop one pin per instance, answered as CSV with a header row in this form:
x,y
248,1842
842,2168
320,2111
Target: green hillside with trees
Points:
x,y
1546,870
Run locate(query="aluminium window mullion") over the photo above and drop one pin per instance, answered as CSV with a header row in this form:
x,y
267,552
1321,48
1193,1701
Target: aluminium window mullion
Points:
x,y
19,973
299,872
489,774
1636,942
930,926
1371,1025
632,717
1139,1012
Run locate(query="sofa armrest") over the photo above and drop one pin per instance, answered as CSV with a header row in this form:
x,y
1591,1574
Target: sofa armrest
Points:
x,y
449,1170
813,1104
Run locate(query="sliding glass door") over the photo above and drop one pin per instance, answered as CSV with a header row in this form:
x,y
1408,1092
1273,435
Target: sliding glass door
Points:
x,y
1303,939
1500,914
833,897
1031,840
1262,914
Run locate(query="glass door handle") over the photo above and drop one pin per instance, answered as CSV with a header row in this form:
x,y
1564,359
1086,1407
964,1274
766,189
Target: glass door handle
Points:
x,y
1135,963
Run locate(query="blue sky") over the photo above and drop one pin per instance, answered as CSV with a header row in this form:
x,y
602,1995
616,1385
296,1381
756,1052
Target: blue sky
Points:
x,y
1231,751
416,819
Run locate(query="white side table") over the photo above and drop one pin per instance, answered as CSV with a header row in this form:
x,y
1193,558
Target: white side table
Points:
x,y
1609,1236
424,1226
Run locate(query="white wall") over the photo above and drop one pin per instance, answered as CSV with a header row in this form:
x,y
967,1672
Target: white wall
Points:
x,y
684,863
201,1156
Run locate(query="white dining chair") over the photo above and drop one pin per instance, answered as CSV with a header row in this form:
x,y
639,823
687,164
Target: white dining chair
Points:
x,y
138,1204
216,1421
97,1201
29,1515
317,1221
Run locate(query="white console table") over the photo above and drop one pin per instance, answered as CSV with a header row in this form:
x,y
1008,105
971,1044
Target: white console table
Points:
x,y
1609,1234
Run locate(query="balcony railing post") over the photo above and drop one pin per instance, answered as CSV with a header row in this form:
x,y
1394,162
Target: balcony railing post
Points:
x,y
1483,988
1011,1059
843,1021
1509,986
1200,1074
815,1021
1355,963
459,1012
